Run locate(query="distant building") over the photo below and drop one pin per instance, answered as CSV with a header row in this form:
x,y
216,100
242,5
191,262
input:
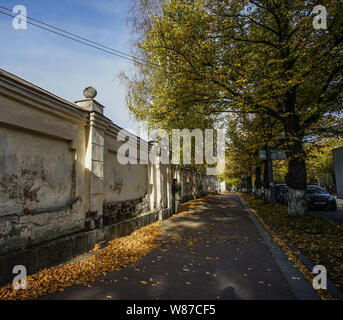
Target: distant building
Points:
x,y
222,186
338,165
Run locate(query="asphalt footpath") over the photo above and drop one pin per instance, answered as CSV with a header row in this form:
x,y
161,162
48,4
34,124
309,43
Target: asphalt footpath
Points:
x,y
219,251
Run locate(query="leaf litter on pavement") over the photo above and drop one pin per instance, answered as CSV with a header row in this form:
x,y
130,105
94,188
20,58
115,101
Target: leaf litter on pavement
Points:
x,y
319,239
118,254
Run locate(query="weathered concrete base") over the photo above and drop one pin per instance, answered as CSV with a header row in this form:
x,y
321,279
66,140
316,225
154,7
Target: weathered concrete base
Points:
x,y
33,228
126,227
62,249
297,204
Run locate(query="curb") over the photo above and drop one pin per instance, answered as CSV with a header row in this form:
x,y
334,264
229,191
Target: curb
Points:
x,y
332,290
301,289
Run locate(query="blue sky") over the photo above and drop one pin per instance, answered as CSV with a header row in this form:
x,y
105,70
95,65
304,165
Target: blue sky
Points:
x,y
65,67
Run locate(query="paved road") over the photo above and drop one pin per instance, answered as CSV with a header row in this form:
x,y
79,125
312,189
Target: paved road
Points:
x,y
222,254
334,216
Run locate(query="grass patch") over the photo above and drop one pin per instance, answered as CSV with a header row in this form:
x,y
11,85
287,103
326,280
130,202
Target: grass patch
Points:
x,y
320,240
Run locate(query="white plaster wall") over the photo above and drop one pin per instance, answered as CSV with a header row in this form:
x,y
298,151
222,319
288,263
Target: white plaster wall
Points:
x,y
123,182
36,171
44,189
58,165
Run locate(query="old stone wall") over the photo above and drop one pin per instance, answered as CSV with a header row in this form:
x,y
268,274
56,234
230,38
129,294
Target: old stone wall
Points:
x,y
43,185
61,182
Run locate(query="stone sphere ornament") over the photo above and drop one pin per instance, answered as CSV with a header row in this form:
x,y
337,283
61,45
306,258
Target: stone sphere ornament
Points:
x,y
90,93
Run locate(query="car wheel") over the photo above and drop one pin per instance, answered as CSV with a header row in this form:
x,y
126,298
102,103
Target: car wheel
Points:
x,y
334,208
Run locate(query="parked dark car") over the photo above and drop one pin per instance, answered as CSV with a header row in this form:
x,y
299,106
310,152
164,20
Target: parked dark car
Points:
x,y
318,198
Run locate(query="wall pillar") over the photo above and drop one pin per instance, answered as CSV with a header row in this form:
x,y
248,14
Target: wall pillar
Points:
x,y
95,164
95,160
158,188
154,177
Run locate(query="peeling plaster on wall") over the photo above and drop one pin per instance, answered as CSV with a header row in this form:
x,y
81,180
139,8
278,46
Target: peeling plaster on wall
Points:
x,y
123,182
22,181
3,143
118,184
35,172
35,228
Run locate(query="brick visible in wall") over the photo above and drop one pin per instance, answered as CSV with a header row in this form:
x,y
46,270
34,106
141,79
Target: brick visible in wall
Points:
x,y
120,211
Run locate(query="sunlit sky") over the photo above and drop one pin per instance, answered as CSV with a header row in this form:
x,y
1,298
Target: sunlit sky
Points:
x,y
65,67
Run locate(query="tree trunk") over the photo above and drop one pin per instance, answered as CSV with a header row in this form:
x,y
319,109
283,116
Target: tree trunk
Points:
x,y
267,194
258,183
249,184
296,179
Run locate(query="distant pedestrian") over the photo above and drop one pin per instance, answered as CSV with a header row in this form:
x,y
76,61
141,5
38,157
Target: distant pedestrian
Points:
x,y
176,191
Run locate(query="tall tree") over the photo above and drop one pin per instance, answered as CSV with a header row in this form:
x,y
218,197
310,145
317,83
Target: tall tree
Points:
x,y
259,57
